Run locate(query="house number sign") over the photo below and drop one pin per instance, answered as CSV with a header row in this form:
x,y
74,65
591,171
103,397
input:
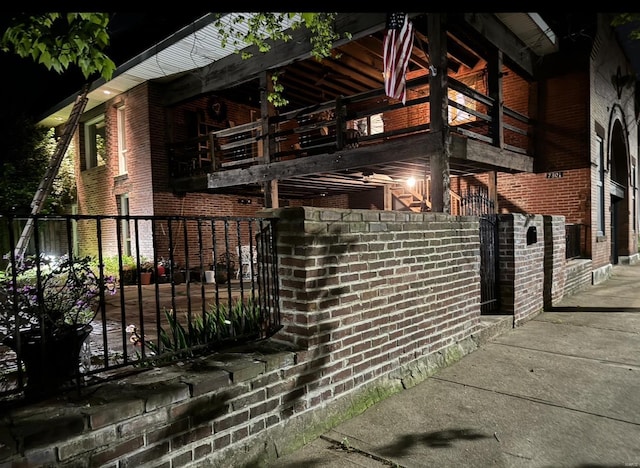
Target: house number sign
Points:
x,y
554,175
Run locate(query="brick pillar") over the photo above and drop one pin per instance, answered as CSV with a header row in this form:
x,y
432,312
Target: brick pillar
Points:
x,y
522,251
554,259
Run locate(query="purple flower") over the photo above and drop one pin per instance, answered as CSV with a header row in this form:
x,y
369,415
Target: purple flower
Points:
x,y
52,292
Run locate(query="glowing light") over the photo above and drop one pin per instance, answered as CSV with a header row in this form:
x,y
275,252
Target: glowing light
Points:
x,y
411,182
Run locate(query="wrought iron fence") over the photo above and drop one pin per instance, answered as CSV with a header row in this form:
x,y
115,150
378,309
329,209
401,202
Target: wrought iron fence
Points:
x,y
476,202
182,286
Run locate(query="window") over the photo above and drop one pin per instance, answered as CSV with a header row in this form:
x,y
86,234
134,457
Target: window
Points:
x,y
600,185
123,210
458,116
95,139
122,141
370,125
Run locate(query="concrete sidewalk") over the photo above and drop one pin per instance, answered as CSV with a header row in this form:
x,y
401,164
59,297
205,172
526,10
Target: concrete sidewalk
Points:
x,y
562,390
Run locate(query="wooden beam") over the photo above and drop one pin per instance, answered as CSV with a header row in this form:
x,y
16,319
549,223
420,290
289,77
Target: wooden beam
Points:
x,y
495,71
363,60
438,112
269,187
233,69
501,37
466,149
404,149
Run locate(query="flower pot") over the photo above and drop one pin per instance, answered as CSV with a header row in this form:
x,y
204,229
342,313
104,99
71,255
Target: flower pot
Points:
x,y
210,276
222,273
51,363
145,277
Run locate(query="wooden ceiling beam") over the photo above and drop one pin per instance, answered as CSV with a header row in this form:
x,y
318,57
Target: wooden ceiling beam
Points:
x,y
233,69
501,37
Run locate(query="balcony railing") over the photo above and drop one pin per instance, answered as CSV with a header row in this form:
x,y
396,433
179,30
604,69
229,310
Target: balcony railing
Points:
x,y
334,125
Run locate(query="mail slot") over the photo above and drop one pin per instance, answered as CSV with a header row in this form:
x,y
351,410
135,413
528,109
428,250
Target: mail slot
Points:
x,y
532,235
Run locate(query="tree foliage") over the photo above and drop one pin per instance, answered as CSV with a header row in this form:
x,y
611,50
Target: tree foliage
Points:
x,y
25,156
262,29
621,19
58,40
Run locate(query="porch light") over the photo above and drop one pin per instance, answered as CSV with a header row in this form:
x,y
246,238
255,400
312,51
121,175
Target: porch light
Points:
x,y
411,182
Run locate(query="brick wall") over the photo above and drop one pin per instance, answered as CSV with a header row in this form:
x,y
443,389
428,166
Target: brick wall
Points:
x,y
608,110
343,271
572,108
568,196
373,302
361,316
578,274
147,179
516,92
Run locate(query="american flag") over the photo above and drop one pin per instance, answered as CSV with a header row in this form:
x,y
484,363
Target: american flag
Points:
x,y
398,43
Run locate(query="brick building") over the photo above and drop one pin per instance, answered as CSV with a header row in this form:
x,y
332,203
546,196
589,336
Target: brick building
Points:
x,y
574,153
374,296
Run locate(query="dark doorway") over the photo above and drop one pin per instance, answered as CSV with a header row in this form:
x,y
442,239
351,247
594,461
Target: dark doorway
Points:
x,y
615,207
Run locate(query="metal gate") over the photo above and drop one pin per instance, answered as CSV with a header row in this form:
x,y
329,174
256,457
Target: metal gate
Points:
x,y
489,298
476,202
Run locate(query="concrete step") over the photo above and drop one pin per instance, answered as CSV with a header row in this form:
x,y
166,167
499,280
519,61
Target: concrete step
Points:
x,y
492,326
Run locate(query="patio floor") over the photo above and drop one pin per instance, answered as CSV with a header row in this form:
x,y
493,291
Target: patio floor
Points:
x,y
145,305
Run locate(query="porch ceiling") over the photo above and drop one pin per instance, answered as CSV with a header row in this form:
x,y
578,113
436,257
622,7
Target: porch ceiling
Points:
x,y
357,66
339,182
362,178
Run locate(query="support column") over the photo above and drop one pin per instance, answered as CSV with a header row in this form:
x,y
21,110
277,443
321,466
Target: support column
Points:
x,y
439,111
267,110
492,185
494,74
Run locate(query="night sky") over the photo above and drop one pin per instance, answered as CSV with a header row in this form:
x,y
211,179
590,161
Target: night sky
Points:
x,y
30,88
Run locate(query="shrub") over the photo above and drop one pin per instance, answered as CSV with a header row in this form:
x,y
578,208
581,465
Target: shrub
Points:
x,y
219,324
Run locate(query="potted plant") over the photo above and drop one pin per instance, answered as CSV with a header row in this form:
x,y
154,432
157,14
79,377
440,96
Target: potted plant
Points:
x,y
224,267
146,272
128,275
46,307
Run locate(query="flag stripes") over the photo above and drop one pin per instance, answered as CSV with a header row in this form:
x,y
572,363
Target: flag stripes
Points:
x,y
398,43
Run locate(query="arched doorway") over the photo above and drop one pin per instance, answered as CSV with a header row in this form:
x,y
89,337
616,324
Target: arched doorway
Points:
x,y
619,177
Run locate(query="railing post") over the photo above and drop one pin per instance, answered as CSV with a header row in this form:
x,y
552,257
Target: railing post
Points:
x,y
341,123
495,93
212,149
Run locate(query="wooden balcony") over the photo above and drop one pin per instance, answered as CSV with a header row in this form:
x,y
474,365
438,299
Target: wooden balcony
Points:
x,y
355,143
